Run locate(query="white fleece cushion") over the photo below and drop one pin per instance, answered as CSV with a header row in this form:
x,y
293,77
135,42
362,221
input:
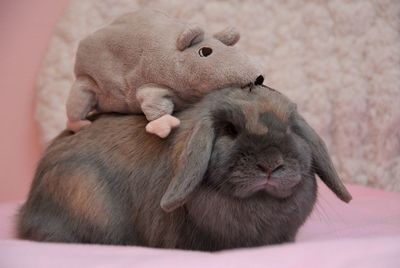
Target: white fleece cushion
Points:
x,y
339,60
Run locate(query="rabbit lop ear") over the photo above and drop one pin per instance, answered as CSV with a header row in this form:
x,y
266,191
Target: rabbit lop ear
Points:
x,y
193,34
192,166
321,161
229,36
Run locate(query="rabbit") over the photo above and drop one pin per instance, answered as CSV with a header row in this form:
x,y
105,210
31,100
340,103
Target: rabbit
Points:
x,y
239,172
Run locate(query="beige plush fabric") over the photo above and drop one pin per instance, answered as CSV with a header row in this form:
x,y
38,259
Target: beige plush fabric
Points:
x,y
339,60
148,62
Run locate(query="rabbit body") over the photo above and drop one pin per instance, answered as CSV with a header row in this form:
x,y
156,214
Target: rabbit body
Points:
x,y
105,184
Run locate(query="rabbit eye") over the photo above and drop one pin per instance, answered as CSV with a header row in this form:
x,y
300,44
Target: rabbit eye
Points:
x,y
205,51
230,130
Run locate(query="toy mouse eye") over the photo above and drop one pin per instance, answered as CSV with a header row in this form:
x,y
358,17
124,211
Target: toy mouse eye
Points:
x,y
205,51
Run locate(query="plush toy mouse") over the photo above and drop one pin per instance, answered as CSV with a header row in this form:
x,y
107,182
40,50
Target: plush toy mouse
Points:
x,y
146,62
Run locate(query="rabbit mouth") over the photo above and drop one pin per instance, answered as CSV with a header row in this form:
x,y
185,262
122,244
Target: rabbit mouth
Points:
x,y
280,193
277,187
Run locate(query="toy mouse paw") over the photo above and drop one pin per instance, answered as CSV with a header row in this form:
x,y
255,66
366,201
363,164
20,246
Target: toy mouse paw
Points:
x,y
163,125
75,126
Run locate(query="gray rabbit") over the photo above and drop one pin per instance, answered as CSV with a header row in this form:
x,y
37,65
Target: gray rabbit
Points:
x,y
239,172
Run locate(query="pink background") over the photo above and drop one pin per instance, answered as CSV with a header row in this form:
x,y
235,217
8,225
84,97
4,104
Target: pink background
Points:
x,y
25,28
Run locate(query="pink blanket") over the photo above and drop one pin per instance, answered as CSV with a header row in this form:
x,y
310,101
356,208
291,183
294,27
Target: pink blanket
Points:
x,y
365,233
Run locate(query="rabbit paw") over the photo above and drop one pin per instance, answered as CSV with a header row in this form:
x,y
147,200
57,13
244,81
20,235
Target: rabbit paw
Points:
x,y
163,125
75,126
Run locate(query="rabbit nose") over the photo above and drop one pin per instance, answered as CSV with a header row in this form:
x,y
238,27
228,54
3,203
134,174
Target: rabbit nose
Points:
x,y
271,168
277,167
259,80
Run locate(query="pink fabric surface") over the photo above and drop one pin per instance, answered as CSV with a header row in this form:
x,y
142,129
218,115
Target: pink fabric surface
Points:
x,y
25,28
365,233
363,253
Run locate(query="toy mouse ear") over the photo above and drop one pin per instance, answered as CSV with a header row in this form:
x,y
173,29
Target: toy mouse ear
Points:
x,y
322,163
229,36
191,35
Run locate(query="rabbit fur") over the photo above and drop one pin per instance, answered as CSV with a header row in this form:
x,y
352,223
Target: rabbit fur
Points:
x,y
239,172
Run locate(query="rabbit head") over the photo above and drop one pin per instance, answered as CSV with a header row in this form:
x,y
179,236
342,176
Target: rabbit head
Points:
x,y
248,144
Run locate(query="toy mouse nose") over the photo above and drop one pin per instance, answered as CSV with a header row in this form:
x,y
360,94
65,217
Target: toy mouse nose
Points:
x,y
259,80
